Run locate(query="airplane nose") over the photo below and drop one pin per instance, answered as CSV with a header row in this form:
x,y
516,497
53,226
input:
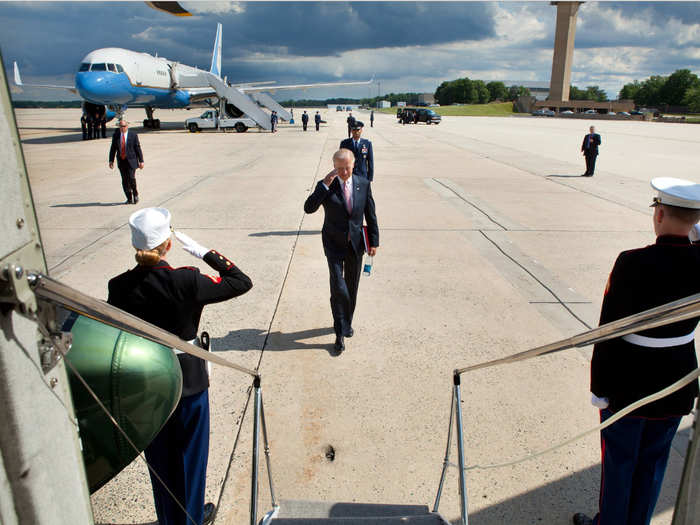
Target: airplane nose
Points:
x,y
99,88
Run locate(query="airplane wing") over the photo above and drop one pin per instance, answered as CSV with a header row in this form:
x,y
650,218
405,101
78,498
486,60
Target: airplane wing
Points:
x,y
173,8
197,94
274,88
19,83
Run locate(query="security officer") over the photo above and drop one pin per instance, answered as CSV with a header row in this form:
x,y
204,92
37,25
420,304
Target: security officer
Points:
x,y
371,119
317,120
362,148
304,120
589,148
624,370
351,122
83,124
273,121
173,299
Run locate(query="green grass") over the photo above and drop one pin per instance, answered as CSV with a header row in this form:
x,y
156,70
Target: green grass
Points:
x,y
496,109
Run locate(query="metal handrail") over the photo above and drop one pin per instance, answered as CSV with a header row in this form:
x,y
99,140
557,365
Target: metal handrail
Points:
x,y
56,292
680,310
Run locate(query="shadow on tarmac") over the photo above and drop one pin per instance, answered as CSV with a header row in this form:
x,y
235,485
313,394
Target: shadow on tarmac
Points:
x,y
58,139
87,204
564,176
144,523
254,339
285,234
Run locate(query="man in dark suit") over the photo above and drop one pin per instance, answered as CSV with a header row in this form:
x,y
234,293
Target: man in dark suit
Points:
x,y
590,150
305,120
636,448
362,149
317,120
351,123
127,148
345,200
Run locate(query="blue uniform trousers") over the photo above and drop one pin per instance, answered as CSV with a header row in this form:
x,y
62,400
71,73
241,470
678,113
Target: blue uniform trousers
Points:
x,y
634,454
179,455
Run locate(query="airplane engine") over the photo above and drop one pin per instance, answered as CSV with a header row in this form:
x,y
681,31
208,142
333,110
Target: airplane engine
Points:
x,y
139,382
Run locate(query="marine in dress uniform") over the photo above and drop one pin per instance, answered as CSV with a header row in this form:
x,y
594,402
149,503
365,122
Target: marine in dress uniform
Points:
x,y
317,120
304,120
127,148
362,149
635,449
589,147
173,299
346,199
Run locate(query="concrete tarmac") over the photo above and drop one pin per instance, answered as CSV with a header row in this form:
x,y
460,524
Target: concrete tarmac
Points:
x,y
491,243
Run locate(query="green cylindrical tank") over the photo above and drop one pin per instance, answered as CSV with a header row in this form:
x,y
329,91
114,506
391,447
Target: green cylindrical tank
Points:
x,y
139,382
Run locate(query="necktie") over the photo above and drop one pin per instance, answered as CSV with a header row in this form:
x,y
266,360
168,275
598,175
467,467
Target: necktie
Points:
x,y
348,197
122,154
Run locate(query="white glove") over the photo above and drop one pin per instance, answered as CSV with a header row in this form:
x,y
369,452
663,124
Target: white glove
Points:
x,y
191,246
694,234
599,402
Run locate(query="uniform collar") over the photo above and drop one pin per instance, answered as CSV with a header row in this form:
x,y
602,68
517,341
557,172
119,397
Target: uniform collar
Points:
x,y
672,239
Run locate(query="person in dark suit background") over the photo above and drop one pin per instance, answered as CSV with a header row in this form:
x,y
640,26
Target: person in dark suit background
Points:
x,y
589,147
362,149
346,199
127,148
273,122
351,123
304,120
317,120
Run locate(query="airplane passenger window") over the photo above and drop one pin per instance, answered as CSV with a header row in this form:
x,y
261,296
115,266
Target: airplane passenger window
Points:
x,y
84,67
99,67
120,69
111,67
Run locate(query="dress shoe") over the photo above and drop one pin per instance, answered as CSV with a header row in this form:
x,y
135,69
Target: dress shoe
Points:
x,y
128,201
136,199
208,515
349,332
581,519
339,345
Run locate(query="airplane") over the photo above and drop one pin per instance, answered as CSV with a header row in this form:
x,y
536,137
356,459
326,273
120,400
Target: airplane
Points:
x,y
119,78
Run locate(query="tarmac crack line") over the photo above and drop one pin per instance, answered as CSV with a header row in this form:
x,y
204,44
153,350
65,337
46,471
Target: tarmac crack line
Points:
x,y
521,266
471,204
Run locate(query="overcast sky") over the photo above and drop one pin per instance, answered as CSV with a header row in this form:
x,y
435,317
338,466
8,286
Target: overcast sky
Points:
x,y
407,46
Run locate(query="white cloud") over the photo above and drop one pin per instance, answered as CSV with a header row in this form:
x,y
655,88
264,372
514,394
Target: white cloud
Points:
x,y
218,8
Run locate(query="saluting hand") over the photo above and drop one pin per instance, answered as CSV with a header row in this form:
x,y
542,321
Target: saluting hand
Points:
x,y
329,178
190,246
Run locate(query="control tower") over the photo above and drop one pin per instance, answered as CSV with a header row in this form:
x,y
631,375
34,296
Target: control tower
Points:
x,y
560,80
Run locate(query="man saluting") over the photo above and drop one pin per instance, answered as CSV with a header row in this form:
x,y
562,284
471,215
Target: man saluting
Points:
x,y
345,200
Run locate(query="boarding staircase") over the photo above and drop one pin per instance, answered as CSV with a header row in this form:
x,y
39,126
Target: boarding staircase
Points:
x,y
242,101
270,103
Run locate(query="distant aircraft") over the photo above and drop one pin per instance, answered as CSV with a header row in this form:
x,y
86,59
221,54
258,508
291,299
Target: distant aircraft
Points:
x,y
119,78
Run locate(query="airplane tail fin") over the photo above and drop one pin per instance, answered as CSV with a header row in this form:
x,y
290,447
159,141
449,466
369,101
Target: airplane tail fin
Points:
x,y
18,79
216,56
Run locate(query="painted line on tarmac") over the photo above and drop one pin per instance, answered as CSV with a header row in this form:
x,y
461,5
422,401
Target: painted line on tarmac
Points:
x,y
460,196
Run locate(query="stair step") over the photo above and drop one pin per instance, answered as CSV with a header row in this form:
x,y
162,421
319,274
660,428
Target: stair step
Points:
x,y
325,509
429,519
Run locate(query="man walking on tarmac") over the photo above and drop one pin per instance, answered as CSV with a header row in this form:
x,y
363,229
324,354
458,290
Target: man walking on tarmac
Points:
x,y
624,370
127,148
351,123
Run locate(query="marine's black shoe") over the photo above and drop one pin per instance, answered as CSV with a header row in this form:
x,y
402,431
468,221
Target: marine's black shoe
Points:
x,y
349,332
339,345
208,515
581,519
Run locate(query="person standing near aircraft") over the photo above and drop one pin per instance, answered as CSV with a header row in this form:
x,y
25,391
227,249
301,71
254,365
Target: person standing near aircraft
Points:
x,y
624,370
317,120
304,120
101,121
346,200
173,299
589,147
362,149
127,148
371,119
351,122
273,121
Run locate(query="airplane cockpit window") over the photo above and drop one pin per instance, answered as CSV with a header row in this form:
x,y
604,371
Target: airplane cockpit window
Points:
x,y
120,69
99,67
112,68
84,67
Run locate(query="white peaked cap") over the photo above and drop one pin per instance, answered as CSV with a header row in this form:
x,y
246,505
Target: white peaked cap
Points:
x,y
149,227
676,192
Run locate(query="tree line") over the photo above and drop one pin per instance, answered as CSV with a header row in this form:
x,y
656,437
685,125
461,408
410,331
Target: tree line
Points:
x,y
681,88
467,91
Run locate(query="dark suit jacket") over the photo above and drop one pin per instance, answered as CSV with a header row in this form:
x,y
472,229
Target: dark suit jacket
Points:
x,y
592,148
625,372
304,117
364,158
337,222
133,148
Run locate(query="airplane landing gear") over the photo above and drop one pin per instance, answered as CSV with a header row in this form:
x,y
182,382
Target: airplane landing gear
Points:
x,y
150,122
